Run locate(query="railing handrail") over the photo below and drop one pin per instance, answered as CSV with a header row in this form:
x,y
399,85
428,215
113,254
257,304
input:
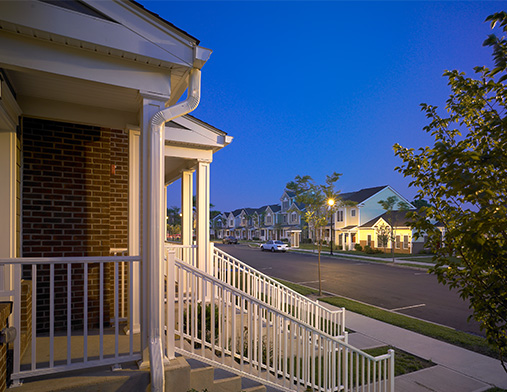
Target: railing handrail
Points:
x,y
265,305
277,283
179,246
265,343
66,260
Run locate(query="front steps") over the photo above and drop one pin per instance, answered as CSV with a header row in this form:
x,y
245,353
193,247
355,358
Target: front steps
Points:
x,y
181,375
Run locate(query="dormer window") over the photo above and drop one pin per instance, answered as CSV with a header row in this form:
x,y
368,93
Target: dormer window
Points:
x,y
353,212
285,204
294,217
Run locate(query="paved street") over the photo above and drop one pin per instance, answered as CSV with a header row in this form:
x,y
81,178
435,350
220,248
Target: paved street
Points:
x,y
404,290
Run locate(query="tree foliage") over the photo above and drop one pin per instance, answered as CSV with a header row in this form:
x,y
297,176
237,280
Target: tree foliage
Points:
x,y
392,204
315,199
464,178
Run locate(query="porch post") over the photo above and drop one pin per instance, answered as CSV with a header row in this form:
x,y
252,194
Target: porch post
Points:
x,y
203,201
187,213
134,230
152,223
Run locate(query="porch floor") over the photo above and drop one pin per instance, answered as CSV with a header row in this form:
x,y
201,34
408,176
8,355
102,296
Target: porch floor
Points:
x,y
77,348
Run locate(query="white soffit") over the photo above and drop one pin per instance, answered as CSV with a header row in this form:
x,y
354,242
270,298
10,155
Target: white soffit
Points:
x,y
46,86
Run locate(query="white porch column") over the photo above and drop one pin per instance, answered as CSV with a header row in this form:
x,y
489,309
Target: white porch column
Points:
x,y
153,221
187,213
186,206
203,201
134,226
9,120
8,210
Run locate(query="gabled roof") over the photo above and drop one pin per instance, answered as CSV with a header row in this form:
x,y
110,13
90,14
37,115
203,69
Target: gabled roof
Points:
x,y
164,21
398,217
362,195
275,207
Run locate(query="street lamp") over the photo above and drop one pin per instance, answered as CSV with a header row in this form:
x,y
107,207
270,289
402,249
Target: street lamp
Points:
x,y
330,203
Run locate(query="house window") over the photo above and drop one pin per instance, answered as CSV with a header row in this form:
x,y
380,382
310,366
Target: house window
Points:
x,y
339,216
405,242
268,219
285,204
398,240
284,218
294,217
368,240
353,212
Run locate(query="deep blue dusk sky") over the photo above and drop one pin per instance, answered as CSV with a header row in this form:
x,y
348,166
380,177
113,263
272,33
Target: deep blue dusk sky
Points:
x,y
316,87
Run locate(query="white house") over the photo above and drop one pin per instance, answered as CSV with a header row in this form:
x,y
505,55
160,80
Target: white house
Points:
x,y
93,127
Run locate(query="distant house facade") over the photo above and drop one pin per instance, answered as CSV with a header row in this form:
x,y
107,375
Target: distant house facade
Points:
x,y
359,219
275,221
361,222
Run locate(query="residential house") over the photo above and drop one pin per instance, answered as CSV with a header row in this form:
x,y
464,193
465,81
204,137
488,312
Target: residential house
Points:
x,y
355,223
273,221
93,127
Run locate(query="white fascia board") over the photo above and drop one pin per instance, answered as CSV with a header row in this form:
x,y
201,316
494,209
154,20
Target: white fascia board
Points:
x,y
152,29
30,54
46,21
195,133
188,153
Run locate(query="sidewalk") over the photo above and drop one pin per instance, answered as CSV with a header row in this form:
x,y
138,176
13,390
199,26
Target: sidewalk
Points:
x,y
457,370
398,260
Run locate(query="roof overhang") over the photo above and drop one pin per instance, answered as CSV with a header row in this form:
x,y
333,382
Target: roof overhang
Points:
x,y
55,57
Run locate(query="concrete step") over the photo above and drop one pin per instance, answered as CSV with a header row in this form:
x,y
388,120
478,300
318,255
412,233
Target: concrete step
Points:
x,y
203,376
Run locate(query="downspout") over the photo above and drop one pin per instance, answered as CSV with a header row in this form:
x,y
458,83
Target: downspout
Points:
x,y
156,252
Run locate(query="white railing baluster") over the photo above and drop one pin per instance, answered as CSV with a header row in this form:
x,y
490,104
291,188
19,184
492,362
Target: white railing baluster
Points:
x,y
85,311
69,278
51,315
101,311
34,317
115,312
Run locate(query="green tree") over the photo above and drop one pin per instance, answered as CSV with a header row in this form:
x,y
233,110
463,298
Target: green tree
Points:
x,y
383,234
315,197
393,217
464,178
418,203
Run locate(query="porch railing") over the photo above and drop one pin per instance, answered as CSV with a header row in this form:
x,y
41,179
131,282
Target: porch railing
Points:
x,y
219,324
71,297
273,293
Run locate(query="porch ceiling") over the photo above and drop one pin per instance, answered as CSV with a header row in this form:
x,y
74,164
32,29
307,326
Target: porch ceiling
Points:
x,y
42,85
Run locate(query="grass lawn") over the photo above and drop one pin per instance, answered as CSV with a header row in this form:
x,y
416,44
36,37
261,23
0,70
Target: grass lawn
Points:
x,y
403,362
468,341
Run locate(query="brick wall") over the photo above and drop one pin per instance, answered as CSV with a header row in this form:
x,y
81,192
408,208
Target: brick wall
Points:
x,y
72,205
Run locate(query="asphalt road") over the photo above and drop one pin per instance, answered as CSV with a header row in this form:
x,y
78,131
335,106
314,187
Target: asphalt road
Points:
x,y
404,290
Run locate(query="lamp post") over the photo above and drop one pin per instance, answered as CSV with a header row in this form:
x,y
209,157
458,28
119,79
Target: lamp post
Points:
x,y
330,203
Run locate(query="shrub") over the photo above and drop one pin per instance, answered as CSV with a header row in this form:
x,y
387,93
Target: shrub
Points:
x,y
358,247
256,238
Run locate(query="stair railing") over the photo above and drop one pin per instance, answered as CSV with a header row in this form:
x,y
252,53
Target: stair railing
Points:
x,y
273,293
221,325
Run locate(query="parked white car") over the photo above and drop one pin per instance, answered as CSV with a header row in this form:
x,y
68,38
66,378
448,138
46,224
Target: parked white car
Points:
x,y
275,246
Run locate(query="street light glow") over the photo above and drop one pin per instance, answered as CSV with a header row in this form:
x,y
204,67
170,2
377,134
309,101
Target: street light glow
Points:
x,y
330,202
